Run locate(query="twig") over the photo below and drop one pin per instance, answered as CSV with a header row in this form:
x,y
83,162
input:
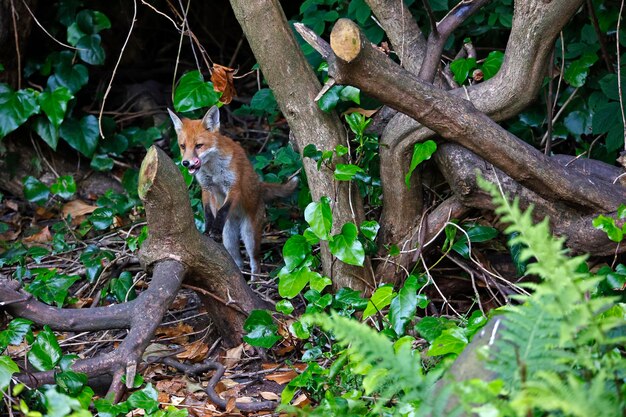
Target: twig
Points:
x,y
48,33
558,114
601,39
119,59
549,107
17,46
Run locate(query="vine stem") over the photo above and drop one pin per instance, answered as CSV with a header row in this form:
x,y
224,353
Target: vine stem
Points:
x,y
119,59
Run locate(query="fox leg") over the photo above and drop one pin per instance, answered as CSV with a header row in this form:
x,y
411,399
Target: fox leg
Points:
x,y
209,205
251,235
230,237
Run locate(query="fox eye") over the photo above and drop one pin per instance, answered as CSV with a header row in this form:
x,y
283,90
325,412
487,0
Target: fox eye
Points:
x,y
198,146
182,147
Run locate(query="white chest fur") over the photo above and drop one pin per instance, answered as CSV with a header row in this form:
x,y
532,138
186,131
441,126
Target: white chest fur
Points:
x,y
215,175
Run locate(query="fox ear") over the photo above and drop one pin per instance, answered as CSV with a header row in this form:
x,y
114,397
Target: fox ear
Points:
x,y
178,124
211,120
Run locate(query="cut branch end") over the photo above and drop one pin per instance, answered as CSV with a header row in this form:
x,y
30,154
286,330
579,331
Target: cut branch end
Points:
x,y
345,40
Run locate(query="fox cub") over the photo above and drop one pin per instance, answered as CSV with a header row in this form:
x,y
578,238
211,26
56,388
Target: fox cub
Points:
x,y
232,195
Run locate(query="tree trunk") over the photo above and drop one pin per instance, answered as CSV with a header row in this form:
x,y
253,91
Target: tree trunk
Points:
x,y
295,86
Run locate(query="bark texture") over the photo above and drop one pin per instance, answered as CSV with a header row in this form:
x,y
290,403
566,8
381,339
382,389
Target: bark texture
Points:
x,y
295,86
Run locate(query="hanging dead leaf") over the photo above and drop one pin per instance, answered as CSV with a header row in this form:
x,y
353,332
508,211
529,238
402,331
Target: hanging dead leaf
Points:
x,y
232,356
42,236
268,395
364,112
194,352
77,208
222,79
282,377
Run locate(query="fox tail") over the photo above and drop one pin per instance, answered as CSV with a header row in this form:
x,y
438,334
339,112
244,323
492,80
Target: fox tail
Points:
x,y
270,191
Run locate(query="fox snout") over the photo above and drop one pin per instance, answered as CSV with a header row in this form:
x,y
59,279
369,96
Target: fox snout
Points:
x,y
192,164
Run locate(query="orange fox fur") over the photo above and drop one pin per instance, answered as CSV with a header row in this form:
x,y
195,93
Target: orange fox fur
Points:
x,y
232,194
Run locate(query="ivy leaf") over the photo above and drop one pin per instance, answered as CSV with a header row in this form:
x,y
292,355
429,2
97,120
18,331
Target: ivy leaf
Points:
x,y
429,328
379,300
290,284
16,107
45,352
347,247
81,135
449,341
492,64
576,73
7,369
263,100
369,228
54,104
50,287
461,68
102,163
318,282
261,329
605,117
90,49
403,306
64,187
284,306
350,93
345,172
14,333
46,131
330,98
192,93
122,287
71,382
607,224
421,152
146,399
91,21
35,191
295,250
66,74
319,217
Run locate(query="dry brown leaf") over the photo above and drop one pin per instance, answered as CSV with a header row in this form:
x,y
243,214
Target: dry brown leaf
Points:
x,y
282,377
222,79
199,408
43,213
232,356
268,395
230,404
163,397
174,386
41,236
178,334
10,235
226,384
194,352
77,208
10,204
301,401
364,112
179,302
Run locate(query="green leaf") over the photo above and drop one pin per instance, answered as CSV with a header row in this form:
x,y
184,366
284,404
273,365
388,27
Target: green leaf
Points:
x,y
605,117
7,369
51,287
607,224
369,228
403,306
102,163
421,152
64,187
350,93
330,98
66,74
261,329
54,104
347,298
429,328
461,68
347,247
345,172
72,383
492,64
320,218
449,341
45,352
284,306
46,131
291,283
296,249
16,107
299,330
102,218
146,399
90,49
379,300
263,100
91,21
35,191
318,282
122,287
81,135
192,93
576,73
15,332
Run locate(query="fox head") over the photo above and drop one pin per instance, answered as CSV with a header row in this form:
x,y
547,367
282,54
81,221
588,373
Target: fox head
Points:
x,y
197,139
